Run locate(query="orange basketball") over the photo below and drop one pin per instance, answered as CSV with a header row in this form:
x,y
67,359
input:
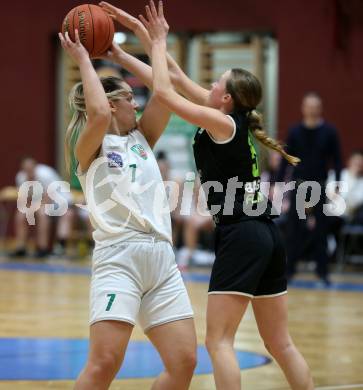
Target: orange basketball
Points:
x,y
95,28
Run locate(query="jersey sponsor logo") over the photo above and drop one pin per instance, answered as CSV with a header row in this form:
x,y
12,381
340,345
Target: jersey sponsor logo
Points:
x,y
254,198
252,186
114,160
140,151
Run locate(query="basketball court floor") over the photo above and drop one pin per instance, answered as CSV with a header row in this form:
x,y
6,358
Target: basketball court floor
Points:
x,y
44,331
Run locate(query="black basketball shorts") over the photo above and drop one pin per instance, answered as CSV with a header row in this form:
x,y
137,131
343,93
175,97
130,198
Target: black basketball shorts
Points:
x,y
250,260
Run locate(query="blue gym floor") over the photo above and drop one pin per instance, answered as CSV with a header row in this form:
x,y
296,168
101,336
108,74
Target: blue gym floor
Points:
x,y
63,358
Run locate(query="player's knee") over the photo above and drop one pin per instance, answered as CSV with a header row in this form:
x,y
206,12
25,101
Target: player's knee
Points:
x,y
103,367
214,344
183,363
277,347
210,344
188,360
191,361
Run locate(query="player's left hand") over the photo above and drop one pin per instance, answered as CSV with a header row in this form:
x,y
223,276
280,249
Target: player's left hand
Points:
x,y
114,53
120,15
155,23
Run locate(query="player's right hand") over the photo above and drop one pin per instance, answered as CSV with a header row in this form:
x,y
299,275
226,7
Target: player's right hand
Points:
x,y
75,49
113,53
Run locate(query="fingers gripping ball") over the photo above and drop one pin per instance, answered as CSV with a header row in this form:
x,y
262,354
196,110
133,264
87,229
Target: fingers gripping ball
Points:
x,y
95,28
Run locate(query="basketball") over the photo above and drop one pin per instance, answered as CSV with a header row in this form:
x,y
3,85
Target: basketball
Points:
x,y
95,28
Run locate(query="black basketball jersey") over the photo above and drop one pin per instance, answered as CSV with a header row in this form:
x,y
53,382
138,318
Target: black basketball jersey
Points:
x,y
227,162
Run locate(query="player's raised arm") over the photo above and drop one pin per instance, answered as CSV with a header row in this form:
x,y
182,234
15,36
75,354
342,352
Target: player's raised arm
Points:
x,y
92,113
215,121
180,80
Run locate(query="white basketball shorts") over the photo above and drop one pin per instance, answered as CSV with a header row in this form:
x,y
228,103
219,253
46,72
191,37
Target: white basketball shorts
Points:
x,y
138,280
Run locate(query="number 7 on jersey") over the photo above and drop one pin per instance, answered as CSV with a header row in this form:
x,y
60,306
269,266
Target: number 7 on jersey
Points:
x,y
110,302
133,172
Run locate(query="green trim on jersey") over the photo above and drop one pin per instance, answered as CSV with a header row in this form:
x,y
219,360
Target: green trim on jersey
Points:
x,y
255,166
74,182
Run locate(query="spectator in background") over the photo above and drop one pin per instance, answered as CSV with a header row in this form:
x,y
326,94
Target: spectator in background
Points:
x,y
194,224
269,175
45,175
172,194
271,191
186,228
316,143
163,164
353,177
272,168
351,211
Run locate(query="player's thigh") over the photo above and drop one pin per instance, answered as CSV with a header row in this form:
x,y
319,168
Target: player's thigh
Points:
x,y
176,342
271,317
108,341
224,313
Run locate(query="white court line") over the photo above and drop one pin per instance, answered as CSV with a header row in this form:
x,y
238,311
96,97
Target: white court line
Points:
x,y
357,386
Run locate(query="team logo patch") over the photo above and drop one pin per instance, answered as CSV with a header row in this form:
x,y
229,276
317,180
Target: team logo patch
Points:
x,y
114,160
139,150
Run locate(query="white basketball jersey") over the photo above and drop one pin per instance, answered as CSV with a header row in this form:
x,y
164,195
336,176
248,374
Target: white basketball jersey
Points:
x,y
124,191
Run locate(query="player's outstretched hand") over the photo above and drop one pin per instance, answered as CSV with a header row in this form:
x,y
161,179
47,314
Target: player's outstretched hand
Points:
x,y
75,49
120,15
155,23
114,53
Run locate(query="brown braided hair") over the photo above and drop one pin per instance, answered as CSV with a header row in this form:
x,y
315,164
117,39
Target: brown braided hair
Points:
x,y
246,92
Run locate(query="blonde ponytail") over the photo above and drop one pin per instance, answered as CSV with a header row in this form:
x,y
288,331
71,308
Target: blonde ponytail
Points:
x,y
78,121
256,127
